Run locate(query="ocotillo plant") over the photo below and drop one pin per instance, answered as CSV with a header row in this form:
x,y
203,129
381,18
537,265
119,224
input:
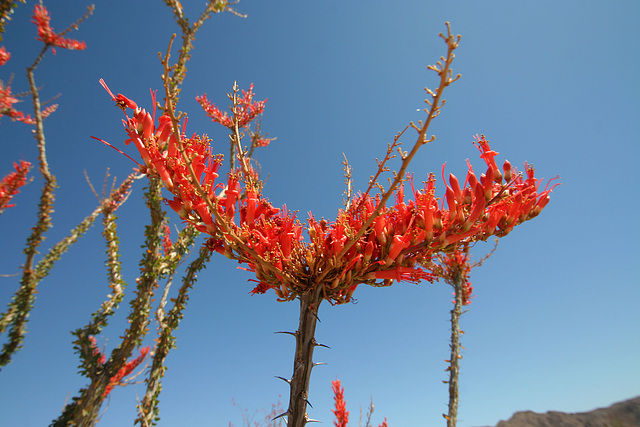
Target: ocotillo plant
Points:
x,y
380,236
368,243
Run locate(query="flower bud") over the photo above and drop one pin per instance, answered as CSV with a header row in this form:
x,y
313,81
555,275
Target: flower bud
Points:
x,y
506,167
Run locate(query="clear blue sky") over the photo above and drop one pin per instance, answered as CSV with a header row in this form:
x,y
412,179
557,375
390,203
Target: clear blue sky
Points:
x,y
555,322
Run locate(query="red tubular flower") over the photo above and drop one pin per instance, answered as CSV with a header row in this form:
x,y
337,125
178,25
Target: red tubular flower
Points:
x,y
407,274
121,100
488,156
455,186
340,411
248,212
506,167
397,245
479,204
232,194
487,183
451,203
380,227
368,251
46,34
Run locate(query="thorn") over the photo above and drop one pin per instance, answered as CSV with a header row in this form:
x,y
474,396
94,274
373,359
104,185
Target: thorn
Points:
x,y
322,345
281,415
284,379
311,420
285,332
319,363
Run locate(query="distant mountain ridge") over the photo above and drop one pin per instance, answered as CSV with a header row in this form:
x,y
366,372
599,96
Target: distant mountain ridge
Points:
x,y
621,414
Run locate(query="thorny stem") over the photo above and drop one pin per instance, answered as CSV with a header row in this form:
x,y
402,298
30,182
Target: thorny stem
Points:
x,y
458,279
148,412
180,249
237,138
25,297
43,267
188,35
303,360
348,181
454,361
84,17
84,410
373,182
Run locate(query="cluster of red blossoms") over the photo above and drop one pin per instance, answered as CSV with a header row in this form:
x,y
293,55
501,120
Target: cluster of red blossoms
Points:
x,y
246,111
7,101
11,183
454,265
399,244
46,34
340,411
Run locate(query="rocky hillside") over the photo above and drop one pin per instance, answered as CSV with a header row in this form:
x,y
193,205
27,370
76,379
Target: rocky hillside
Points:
x,y
622,414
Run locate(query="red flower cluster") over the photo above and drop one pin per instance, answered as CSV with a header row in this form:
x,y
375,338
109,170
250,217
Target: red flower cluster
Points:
x,y
398,245
247,110
11,183
6,107
457,263
341,413
46,34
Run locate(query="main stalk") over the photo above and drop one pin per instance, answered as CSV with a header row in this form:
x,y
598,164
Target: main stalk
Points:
x,y
303,361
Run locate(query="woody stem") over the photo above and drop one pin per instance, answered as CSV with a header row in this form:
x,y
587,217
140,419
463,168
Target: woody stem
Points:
x,y
303,361
454,371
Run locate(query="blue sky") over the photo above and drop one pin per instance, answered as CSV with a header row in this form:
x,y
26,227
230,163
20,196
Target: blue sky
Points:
x,y
554,322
